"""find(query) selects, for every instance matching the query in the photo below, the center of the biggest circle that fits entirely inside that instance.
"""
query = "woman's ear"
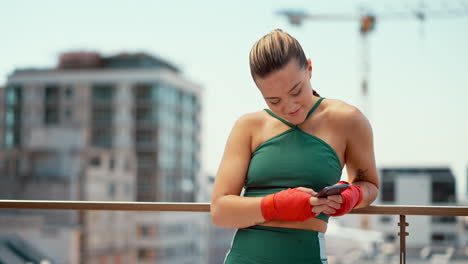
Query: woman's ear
(309, 67)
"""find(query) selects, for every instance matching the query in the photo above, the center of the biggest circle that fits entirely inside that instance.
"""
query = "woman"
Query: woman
(284, 155)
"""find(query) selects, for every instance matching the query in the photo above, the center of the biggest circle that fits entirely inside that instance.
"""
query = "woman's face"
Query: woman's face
(287, 92)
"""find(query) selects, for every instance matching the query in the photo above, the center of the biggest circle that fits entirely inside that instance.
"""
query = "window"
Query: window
(146, 231)
(127, 164)
(145, 114)
(51, 105)
(13, 116)
(385, 219)
(51, 115)
(101, 138)
(95, 161)
(68, 92)
(146, 185)
(443, 192)
(388, 191)
(146, 160)
(443, 219)
(146, 253)
(443, 238)
(389, 238)
(111, 164)
(196, 106)
(68, 114)
(102, 92)
(10, 118)
(47, 166)
(111, 190)
(144, 137)
(12, 138)
(13, 95)
(102, 116)
(145, 92)
(465, 222)
(169, 95)
(51, 94)
(211, 179)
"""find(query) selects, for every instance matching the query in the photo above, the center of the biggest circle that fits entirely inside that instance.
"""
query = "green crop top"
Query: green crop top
(292, 159)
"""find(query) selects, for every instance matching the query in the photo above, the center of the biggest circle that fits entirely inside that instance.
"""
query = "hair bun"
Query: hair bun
(278, 30)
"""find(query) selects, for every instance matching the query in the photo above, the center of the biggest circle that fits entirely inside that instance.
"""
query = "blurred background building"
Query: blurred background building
(123, 127)
(419, 186)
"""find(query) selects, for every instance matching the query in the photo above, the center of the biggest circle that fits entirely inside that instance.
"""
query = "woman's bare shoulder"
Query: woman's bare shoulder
(243, 132)
(252, 121)
(342, 111)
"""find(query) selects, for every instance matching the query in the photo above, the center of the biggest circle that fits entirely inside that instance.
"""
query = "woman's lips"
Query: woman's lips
(295, 112)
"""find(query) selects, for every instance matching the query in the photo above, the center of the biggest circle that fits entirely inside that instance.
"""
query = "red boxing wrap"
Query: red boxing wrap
(352, 196)
(289, 205)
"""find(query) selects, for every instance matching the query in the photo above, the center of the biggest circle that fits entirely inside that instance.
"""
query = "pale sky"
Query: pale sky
(418, 73)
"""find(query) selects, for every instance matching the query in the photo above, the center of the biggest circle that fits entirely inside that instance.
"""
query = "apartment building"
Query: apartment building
(117, 128)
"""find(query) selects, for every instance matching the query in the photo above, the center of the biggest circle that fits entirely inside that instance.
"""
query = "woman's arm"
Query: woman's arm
(228, 209)
(359, 155)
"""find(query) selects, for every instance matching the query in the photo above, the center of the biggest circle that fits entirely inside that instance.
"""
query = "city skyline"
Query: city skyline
(418, 81)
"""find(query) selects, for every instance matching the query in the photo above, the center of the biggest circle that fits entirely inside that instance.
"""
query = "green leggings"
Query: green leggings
(275, 245)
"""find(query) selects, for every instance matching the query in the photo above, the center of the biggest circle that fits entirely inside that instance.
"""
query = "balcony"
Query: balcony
(401, 211)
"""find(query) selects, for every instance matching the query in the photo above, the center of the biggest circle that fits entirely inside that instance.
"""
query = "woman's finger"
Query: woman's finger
(323, 208)
(318, 201)
(333, 204)
(335, 198)
(329, 212)
(320, 208)
(307, 190)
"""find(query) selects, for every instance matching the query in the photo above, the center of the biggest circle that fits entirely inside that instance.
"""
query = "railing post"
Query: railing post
(402, 224)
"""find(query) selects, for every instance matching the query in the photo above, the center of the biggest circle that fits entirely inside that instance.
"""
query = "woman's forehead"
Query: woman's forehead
(281, 81)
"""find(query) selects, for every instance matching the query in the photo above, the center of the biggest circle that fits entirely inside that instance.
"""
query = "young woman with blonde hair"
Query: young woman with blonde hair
(285, 154)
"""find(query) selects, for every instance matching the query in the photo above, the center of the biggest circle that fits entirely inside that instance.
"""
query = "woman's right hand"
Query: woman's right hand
(295, 204)
(321, 205)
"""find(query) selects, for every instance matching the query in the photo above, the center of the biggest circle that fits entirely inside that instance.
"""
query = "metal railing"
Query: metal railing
(401, 211)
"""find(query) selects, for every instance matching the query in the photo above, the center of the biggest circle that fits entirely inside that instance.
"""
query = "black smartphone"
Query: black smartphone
(331, 190)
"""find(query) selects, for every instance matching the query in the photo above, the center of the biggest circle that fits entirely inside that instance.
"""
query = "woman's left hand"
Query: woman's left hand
(322, 205)
(337, 200)
(347, 200)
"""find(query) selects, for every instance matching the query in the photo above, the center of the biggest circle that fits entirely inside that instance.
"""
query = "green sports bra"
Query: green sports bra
(292, 159)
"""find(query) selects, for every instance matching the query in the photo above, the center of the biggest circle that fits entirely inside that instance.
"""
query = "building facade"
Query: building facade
(420, 186)
(122, 128)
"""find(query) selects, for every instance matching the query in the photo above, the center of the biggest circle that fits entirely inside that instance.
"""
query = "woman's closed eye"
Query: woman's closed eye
(297, 93)
(279, 100)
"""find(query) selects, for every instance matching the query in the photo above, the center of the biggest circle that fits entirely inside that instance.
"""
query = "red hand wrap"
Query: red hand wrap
(352, 196)
(289, 205)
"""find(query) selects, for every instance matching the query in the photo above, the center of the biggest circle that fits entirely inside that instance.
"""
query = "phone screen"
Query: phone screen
(331, 190)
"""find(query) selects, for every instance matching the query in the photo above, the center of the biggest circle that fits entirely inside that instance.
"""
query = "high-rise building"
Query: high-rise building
(124, 127)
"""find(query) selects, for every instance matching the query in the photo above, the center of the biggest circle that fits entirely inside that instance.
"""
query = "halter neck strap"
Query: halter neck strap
(315, 106)
(308, 114)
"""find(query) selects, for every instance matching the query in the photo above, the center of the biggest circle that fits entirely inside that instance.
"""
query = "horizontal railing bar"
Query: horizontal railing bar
(413, 210)
(205, 207)
(108, 206)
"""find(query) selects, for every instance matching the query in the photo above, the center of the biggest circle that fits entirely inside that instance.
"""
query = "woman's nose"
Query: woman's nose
(291, 107)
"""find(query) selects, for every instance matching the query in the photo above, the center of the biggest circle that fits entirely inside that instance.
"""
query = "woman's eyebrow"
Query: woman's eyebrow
(273, 97)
